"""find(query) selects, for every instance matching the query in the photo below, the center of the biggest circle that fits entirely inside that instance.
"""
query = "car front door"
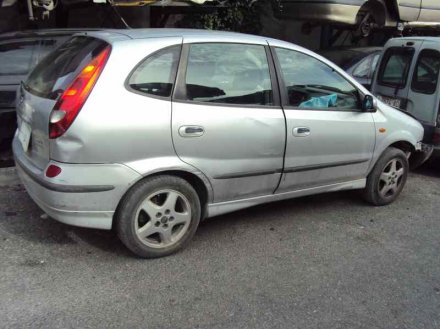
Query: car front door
(227, 121)
(329, 139)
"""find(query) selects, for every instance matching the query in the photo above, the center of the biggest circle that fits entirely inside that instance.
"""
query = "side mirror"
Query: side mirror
(368, 104)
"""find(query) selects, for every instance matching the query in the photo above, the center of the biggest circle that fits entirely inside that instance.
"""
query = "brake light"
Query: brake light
(74, 97)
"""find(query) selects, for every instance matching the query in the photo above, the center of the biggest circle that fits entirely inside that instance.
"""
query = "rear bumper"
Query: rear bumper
(84, 195)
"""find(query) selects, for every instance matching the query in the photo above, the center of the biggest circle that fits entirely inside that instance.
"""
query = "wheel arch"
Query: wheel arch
(201, 186)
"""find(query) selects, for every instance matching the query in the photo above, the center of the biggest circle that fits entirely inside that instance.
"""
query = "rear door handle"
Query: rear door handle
(301, 131)
(191, 131)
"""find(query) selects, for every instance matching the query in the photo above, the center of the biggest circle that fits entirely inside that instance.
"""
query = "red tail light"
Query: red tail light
(74, 97)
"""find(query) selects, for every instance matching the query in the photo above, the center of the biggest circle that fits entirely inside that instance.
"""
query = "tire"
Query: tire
(386, 182)
(419, 158)
(158, 216)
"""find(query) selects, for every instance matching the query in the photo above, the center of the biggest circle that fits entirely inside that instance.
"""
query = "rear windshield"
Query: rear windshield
(395, 65)
(57, 70)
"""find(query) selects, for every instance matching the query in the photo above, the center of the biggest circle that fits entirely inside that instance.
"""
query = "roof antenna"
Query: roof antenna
(116, 11)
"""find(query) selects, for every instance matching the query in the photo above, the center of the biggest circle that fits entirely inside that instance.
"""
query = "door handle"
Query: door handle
(191, 131)
(301, 131)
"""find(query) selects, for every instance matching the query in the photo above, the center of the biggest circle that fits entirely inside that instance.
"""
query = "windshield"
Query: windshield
(57, 70)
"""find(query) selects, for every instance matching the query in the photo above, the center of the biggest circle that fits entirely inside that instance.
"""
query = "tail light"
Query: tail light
(74, 97)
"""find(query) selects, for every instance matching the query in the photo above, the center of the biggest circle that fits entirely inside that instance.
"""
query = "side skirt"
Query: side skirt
(216, 209)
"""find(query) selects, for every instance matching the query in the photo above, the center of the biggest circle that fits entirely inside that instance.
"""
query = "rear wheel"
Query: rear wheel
(387, 178)
(158, 216)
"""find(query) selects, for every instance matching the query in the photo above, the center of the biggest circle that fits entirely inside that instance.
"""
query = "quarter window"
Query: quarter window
(228, 73)
(156, 74)
(426, 73)
(312, 84)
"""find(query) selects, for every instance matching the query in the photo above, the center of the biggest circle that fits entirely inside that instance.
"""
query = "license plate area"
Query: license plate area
(394, 102)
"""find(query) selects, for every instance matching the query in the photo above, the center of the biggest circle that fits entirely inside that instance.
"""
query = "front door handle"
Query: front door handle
(301, 131)
(191, 131)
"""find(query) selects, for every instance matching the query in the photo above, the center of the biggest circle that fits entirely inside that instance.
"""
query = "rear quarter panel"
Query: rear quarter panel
(116, 125)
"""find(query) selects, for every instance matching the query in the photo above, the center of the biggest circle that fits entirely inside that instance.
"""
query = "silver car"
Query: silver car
(151, 131)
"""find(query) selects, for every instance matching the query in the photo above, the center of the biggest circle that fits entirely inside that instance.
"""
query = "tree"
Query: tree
(236, 15)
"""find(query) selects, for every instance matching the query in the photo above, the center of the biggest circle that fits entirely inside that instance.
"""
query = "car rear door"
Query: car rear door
(393, 77)
(423, 95)
(329, 139)
(227, 121)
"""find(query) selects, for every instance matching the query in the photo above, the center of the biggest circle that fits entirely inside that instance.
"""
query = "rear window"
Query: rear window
(15, 57)
(395, 65)
(426, 73)
(57, 70)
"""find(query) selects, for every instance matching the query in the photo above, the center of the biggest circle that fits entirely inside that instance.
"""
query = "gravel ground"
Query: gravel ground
(326, 261)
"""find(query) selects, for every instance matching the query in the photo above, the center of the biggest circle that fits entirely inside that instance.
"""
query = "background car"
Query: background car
(364, 14)
(19, 53)
(359, 62)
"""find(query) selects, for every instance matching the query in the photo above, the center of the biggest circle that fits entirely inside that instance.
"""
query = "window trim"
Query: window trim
(175, 73)
(384, 60)
(414, 76)
(283, 89)
(179, 95)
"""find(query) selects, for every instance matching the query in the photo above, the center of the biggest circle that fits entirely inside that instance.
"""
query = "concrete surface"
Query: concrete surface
(327, 261)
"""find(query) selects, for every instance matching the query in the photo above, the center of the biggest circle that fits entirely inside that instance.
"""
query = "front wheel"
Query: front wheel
(158, 216)
(387, 178)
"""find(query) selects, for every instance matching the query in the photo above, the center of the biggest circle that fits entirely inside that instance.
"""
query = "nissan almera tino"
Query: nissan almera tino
(151, 131)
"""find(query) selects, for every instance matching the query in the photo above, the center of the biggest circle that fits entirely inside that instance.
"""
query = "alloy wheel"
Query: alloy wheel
(163, 218)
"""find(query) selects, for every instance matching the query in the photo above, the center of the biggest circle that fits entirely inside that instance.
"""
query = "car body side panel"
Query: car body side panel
(399, 127)
(409, 10)
(343, 11)
(139, 125)
(430, 11)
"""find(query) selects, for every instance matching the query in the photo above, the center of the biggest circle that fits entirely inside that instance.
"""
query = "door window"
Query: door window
(312, 84)
(156, 74)
(15, 57)
(395, 65)
(426, 73)
(228, 73)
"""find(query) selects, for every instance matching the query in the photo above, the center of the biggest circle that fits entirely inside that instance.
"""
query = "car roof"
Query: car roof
(42, 33)
(417, 38)
(166, 32)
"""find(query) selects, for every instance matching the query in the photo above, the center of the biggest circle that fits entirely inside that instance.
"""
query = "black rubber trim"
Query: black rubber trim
(249, 174)
(63, 188)
(324, 166)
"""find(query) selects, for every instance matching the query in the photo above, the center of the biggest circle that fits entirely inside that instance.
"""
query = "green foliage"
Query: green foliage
(237, 15)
